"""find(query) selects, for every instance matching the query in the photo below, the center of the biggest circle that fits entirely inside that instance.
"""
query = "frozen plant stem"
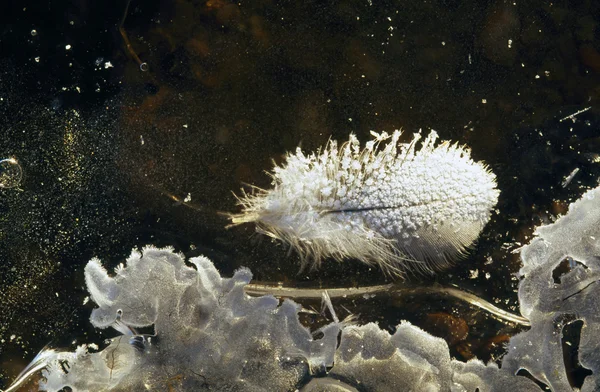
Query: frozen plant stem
(391, 289)
(388, 204)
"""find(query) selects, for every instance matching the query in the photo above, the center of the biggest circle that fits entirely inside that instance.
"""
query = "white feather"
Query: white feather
(387, 204)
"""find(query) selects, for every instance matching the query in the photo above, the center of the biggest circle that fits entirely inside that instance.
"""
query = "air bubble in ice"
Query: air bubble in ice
(11, 173)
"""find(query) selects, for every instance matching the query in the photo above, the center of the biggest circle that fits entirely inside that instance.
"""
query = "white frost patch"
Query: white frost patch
(388, 203)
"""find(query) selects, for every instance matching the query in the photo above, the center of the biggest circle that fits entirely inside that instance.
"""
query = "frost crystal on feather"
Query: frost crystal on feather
(389, 203)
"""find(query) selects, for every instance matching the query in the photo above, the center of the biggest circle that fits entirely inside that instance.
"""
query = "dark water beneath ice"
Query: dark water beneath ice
(109, 152)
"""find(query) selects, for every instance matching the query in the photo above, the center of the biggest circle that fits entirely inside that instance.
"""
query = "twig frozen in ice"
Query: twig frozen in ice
(259, 289)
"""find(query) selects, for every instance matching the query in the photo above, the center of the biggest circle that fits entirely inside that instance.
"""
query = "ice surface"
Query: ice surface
(368, 356)
(208, 334)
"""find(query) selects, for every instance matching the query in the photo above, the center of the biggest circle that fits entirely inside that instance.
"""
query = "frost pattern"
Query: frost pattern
(208, 333)
(388, 204)
(575, 240)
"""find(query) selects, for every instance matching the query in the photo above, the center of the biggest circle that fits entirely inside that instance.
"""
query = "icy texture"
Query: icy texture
(388, 203)
(367, 356)
(574, 239)
(209, 333)
(413, 360)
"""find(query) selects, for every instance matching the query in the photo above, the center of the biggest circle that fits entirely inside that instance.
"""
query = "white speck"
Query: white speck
(37, 59)
(537, 76)
(473, 274)
(510, 43)
(570, 177)
(107, 65)
(443, 43)
(188, 198)
(572, 116)
(33, 33)
(484, 101)
(68, 47)
(141, 140)
(86, 300)
(185, 125)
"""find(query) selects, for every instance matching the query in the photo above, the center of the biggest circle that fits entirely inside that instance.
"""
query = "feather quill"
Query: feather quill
(387, 204)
